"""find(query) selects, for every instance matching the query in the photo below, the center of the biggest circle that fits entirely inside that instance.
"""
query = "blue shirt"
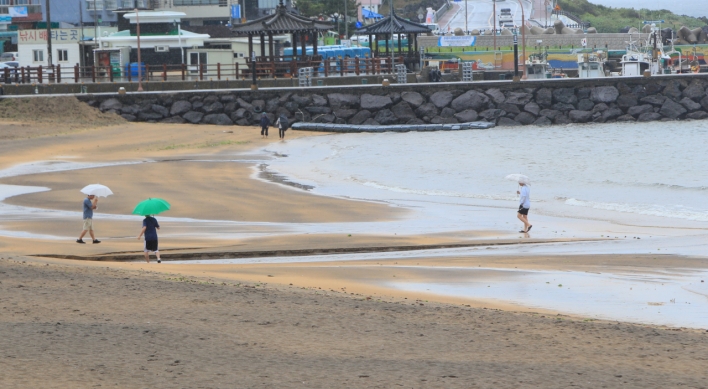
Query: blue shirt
(88, 209)
(151, 228)
(525, 198)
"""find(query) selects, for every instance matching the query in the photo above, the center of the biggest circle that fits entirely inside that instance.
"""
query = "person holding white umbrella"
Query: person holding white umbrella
(90, 203)
(524, 193)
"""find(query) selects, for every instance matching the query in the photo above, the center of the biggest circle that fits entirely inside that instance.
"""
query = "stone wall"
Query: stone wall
(542, 102)
(611, 41)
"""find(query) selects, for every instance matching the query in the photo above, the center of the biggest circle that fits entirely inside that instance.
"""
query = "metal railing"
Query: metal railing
(331, 67)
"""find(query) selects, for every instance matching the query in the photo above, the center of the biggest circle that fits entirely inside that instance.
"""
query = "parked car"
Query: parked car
(12, 71)
(9, 56)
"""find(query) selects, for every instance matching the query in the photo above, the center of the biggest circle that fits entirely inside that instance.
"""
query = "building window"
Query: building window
(63, 55)
(111, 4)
(94, 5)
(177, 3)
(38, 55)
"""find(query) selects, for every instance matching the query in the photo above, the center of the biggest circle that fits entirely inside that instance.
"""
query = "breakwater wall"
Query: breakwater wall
(542, 102)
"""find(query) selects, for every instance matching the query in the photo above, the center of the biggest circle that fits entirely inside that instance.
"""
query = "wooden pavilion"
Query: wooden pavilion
(389, 27)
(304, 30)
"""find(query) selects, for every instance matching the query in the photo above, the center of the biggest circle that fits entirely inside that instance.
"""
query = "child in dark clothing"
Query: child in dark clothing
(150, 227)
(265, 122)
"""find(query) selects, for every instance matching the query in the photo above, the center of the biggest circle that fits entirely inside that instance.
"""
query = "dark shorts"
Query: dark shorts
(523, 211)
(151, 245)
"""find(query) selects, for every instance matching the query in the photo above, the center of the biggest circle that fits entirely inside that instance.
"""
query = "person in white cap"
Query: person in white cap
(524, 205)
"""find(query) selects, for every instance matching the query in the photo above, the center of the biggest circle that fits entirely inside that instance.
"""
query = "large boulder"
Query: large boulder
(180, 107)
(491, 115)
(672, 109)
(164, 112)
(343, 100)
(343, 113)
(375, 102)
(519, 98)
(577, 116)
(403, 111)
(319, 100)
(612, 114)
(193, 117)
(544, 98)
(525, 118)
(626, 118)
(604, 94)
(509, 108)
(586, 105)
(360, 117)
(640, 109)
(506, 122)
(301, 99)
(219, 119)
(271, 105)
(468, 100)
(441, 99)
(415, 99)
(673, 90)
(699, 115)
(317, 110)
(109, 104)
(695, 91)
(215, 107)
(649, 117)
(149, 116)
(496, 95)
(468, 115)
(550, 113)
(532, 108)
(626, 101)
(655, 100)
(542, 121)
(565, 96)
(427, 109)
(690, 105)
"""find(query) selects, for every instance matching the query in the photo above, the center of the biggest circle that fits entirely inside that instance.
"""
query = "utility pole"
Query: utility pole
(49, 36)
(346, 26)
(494, 27)
(466, 29)
(140, 65)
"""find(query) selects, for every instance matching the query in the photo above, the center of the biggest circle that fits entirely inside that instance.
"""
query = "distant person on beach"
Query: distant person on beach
(90, 203)
(524, 205)
(282, 124)
(265, 122)
(150, 227)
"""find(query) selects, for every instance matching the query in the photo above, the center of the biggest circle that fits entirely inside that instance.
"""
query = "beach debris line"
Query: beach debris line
(352, 128)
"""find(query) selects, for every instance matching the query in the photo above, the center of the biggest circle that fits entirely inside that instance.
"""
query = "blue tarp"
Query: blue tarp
(370, 15)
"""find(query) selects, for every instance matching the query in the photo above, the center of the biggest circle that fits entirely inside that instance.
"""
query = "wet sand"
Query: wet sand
(69, 323)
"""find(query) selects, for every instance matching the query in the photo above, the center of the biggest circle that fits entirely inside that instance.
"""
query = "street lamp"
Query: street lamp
(523, 37)
(140, 70)
(179, 37)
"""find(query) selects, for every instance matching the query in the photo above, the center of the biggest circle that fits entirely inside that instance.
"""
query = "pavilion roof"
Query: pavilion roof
(281, 22)
(400, 26)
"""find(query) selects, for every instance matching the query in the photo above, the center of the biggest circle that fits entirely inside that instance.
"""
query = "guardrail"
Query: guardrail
(330, 67)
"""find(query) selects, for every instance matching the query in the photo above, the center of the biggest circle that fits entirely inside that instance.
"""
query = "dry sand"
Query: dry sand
(75, 324)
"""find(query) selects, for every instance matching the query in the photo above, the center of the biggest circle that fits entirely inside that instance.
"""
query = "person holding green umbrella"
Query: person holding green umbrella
(148, 208)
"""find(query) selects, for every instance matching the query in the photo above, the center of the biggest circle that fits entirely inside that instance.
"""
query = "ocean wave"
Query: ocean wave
(643, 209)
(657, 185)
(440, 193)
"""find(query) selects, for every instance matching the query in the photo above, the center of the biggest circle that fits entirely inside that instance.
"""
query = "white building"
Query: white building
(32, 47)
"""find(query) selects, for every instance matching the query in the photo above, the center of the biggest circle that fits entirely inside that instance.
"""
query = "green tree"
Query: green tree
(327, 8)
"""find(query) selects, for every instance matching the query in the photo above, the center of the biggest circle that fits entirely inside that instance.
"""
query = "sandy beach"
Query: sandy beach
(310, 296)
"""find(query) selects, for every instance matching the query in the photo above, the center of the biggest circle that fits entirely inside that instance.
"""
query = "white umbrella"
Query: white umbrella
(520, 178)
(97, 190)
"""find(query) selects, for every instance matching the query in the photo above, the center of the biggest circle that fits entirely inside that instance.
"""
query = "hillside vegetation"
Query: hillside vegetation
(611, 19)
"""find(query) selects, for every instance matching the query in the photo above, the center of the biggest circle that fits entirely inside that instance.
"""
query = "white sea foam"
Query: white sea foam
(679, 211)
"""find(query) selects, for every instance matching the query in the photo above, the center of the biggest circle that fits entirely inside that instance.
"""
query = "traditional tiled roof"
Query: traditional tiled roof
(281, 22)
(400, 26)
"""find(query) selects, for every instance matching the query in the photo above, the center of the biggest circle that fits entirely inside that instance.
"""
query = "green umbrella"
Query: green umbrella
(151, 207)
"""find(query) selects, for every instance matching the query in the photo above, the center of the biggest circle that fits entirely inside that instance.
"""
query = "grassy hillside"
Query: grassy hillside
(612, 19)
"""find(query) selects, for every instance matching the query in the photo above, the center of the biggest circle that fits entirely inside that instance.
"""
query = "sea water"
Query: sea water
(649, 174)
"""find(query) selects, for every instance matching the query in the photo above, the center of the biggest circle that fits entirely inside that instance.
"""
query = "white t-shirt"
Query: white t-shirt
(525, 199)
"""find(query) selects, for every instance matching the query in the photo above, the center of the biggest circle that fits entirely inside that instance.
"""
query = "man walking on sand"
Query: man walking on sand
(265, 122)
(524, 205)
(150, 227)
(89, 205)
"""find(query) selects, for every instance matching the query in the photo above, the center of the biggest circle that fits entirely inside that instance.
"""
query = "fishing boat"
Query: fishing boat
(537, 67)
(591, 65)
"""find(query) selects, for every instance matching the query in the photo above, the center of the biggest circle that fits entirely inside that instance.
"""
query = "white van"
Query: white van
(434, 28)
(9, 56)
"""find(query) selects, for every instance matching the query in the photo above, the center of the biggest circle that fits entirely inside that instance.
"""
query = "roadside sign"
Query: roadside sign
(235, 12)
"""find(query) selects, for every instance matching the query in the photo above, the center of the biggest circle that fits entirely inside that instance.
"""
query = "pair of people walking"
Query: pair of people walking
(150, 227)
(282, 124)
